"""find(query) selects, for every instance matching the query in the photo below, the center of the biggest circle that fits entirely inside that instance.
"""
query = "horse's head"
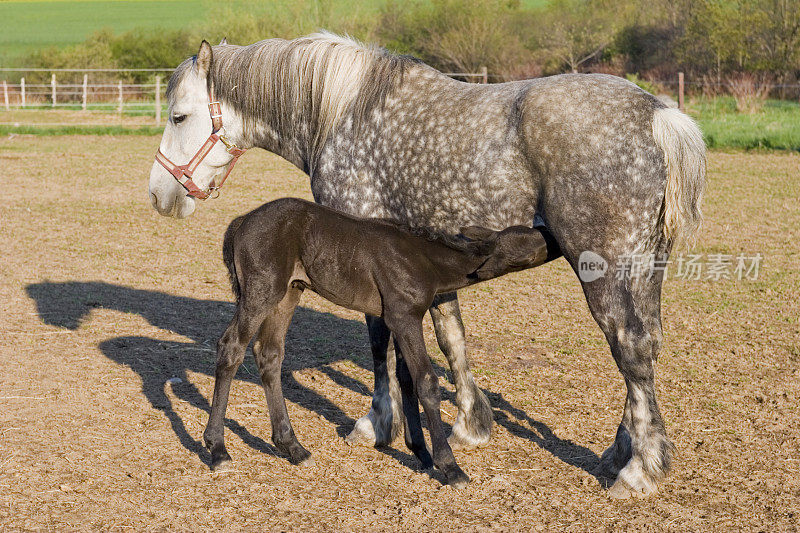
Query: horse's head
(188, 149)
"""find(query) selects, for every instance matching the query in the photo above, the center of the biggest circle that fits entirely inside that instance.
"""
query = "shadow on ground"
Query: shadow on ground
(315, 340)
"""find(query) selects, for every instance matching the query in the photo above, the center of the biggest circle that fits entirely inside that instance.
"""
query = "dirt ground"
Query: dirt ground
(104, 302)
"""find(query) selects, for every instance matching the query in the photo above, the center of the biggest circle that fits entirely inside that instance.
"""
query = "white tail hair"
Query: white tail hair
(680, 139)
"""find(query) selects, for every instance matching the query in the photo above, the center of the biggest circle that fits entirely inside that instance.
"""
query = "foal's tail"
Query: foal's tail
(227, 255)
(685, 156)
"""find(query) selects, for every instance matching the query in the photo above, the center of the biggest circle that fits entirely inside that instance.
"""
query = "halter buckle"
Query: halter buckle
(183, 173)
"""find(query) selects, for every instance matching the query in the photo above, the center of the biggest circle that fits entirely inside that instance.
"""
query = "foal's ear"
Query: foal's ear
(477, 233)
(204, 56)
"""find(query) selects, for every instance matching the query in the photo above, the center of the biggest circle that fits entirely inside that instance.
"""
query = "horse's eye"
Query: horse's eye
(177, 119)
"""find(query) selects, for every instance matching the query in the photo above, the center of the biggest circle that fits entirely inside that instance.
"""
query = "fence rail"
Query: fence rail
(109, 90)
(104, 95)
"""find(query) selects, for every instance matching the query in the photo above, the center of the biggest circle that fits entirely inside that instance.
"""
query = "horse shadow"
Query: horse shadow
(68, 304)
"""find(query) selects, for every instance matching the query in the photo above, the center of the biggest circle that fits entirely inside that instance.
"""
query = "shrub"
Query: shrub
(458, 36)
(750, 91)
(643, 84)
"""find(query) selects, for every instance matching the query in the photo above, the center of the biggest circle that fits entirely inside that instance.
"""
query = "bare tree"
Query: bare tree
(575, 31)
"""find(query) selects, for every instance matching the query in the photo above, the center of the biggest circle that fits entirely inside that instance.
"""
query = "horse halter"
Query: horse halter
(183, 173)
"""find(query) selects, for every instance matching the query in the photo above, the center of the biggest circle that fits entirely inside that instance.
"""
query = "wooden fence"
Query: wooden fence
(94, 90)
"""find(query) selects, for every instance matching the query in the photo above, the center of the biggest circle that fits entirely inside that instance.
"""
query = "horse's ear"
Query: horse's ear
(223, 41)
(477, 233)
(204, 56)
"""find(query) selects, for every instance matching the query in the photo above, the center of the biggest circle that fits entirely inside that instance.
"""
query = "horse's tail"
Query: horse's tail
(228, 255)
(685, 157)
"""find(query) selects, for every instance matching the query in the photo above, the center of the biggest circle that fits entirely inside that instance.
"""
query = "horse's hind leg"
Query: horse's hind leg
(382, 424)
(628, 313)
(473, 425)
(230, 354)
(269, 351)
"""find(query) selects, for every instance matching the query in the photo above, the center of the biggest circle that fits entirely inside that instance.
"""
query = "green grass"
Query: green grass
(80, 130)
(776, 127)
(26, 26)
(144, 109)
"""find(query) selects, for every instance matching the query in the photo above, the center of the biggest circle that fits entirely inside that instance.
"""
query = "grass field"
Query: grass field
(27, 26)
(103, 301)
(777, 126)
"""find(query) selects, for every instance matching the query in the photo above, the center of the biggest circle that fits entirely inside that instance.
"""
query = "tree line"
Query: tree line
(711, 40)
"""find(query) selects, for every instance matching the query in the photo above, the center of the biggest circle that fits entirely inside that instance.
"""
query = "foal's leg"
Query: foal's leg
(383, 422)
(412, 425)
(408, 332)
(269, 351)
(473, 425)
(230, 354)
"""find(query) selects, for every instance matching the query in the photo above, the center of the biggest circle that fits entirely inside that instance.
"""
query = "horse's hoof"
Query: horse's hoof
(426, 462)
(632, 486)
(473, 430)
(620, 490)
(362, 434)
(296, 453)
(467, 442)
(368, 433)
(464, 438)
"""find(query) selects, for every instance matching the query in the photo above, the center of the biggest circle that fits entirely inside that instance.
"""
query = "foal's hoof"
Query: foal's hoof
(308, 461)
(425, 459)
(456, 478)
(222, 465)
(298, 455)
(303, 458)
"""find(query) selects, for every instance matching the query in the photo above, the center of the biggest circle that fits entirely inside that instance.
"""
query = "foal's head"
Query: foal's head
(515, 248)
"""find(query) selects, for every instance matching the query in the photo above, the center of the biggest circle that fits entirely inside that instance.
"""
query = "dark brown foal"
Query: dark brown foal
(373, 266)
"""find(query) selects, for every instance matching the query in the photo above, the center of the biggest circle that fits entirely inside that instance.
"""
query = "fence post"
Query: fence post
(5, 94)
(680, 91)
(158, 99)
(119, 98)
(85, 91)
(484, 75)
(22, 91)
(53, 85)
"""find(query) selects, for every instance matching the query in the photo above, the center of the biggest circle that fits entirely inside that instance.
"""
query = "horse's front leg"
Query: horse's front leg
(473, 426)
(384, 421)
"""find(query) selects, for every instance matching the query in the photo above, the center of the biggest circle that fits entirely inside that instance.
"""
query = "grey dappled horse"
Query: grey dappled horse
(603, 165)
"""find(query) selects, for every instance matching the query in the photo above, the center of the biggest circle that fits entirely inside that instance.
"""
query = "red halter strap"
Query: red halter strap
(183, 173)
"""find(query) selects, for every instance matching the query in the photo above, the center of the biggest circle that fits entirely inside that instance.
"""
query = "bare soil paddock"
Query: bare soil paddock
(103, 301)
